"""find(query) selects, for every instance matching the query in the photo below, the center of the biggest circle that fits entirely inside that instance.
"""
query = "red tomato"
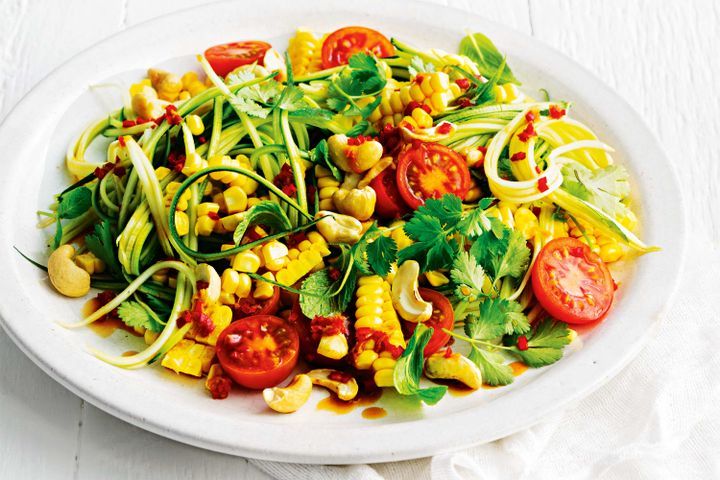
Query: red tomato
(252, 306)
(227, 57)
(389, 203)
(430, 170)
(342, 44)
(571, 282)
(442, 317)
(258, 351)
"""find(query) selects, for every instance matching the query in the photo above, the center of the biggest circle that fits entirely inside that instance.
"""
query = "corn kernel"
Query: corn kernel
(184, 95)
(610, 252)
(439, 81)
(246, 261)
(275, 254)
(384, 378)
(193, 164)
(229, 280)
(195, 124)
(293, 253)
(182, 223)
(86, 261)
(227, 298)
(333, 346)
(220, 200)
(207, 208)
(365, 359)
(223, 161)
(383, 363)
(436, 278)
(161, 172)
(264, 290)
(422, 118)
(204, 226)
(235, 199)
(426, 85)
(526, 222)
(244, 286)
(230, 222)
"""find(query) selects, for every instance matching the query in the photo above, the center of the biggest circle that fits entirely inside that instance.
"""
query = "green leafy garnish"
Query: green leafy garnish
(320, 156)
(135, 315)
(409, 368)
(361, 78)
(467, 275)
(102, 244)
(418, 66)
(492, 366)
(488, 58)
(266, 213)
(545, 344)
(605, 187)
(322, 296)
(374, 252)
(358, 129)
(502, 253)
(75, 203)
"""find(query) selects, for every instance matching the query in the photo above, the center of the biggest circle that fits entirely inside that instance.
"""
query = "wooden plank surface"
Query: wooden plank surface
(660, 56)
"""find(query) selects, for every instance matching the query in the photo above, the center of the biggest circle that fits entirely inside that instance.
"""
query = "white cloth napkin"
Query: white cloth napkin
(658, 419)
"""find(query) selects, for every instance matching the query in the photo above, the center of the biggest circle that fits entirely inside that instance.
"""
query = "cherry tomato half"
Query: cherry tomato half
(340, 45)
(227, 57)
(430, 170)
(389, 202)
(571, 282)
(258, 351)
(442, 317)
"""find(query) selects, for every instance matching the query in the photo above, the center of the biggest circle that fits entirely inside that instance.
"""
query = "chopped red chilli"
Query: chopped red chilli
(463, 83)
(556, 112)
(444, 128)
(542, 184)
(522, 343)
(516, 157)
(529, 131)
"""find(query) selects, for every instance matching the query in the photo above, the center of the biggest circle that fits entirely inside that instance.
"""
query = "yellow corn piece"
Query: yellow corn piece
(182, 223)
(247, 261)
(374, 310)
(221, 316)
(327, 186)
(508, 93)
(235, 199)
(205, 226)
(264, 290)
(189, 358)
(195, 124)
(304, 50)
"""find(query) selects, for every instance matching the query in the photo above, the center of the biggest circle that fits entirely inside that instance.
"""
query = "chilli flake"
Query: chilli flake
(516, 157)
(542, 184)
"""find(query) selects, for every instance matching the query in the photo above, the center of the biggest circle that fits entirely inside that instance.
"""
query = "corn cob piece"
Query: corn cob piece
(431, 89)
(327, 186)
(305, 258)
(189, 358)
(305, 50)
(379, 335)
(607, 248)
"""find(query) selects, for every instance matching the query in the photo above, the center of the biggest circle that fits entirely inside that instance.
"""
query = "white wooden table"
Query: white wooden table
(661, 56)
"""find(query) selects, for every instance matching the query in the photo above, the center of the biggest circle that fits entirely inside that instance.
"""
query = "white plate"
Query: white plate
(35, 134)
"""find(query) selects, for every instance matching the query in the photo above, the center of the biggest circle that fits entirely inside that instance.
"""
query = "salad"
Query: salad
(358, 210)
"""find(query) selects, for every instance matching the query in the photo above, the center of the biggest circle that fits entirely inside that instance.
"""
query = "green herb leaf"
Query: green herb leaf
(102, 244)
(467, 273)
(135, 315)
(409, 368)
(291, 99)
(381, 254)
(319, 298)
(361, 78)
(489, 324)
(418, 66)
(266, 213)
(492, 366)
(502, 252)
(75, 203)
(473, 224)
(488, 58)
(545, 345)
(358, 129)
(320, 156)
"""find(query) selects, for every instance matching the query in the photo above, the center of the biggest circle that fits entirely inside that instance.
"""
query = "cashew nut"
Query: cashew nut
(273, 61)
(168, 85)
(405, 295)
(289, 399)
(358, 202)
(354, 158)
(65, 275)
(146, 103)
(346, 390)
(338, 228)
(206, 273)
(455, 367)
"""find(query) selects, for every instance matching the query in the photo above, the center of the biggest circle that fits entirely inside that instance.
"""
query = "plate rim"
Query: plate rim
(346, 455)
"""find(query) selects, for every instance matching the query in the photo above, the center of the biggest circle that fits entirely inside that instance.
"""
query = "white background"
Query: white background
(659, 417)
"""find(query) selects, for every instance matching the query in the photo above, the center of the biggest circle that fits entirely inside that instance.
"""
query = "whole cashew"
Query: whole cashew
(289, 399)
(345, 390)
(65, 275)
(336, 227)
(406, 296)
(454, 367)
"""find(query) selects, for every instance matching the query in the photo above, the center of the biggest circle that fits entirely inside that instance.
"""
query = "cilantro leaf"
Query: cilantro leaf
(417, 66)
(102, 244)
(605, 187)
(501, 252)
(381, 254)
(467, 273)
(545, 344)
(474, 223)
(489, 324)
(361, 78)
(492, 366)
(291, 99)
(266, 213)
(487, 57)
(320, 156)
(75, 203)
(135, 315)
(409, 368)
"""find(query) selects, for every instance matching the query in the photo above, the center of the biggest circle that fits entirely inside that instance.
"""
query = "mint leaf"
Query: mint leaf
(409, 368)
(319, 294)
(266, 213)
(487, 57)
(75, 203)
(320, 156)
